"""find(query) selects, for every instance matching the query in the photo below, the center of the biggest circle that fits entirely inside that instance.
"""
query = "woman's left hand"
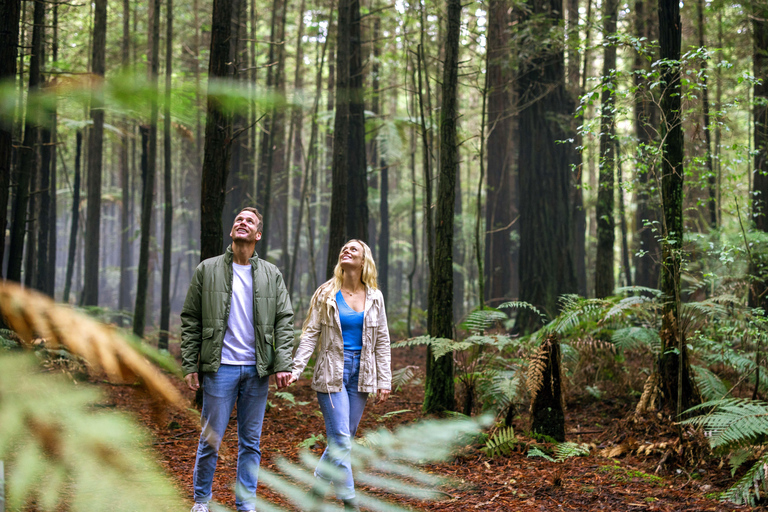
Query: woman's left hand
(382, 395)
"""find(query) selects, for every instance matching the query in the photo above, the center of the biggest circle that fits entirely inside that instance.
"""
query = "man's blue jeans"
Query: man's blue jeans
(342, 412)
(232, 383)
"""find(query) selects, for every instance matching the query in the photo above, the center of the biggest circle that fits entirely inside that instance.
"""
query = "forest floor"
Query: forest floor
(626, 481)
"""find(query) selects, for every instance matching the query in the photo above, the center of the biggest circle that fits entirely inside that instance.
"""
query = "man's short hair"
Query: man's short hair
(256, 213)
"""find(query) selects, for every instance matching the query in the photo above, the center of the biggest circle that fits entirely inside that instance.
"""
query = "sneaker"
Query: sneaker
(350, 505)
(200, 507)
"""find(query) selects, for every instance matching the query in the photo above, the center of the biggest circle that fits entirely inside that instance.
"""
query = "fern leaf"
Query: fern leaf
(709, 384)
(500, 443)
(747, 489)
(403, 376)
(632, 338)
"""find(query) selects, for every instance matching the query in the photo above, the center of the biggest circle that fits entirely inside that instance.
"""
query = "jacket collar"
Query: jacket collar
(229, 255)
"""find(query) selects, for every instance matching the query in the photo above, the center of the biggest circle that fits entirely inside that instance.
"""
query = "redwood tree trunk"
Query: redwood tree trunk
(678, 389)
(165, 289)
(547, 268)
(606, 224)
(758, 295)
(75, 218)
(500, 262)
(9, 32)
(439, 385)
(95, 146)
(218, 132)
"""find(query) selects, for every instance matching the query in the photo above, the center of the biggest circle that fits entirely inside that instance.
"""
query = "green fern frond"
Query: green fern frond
(709, 384)
(535, 451)
(567, 450)
(478, 322)
(403, 376)
(632, 338)
(500, 443)
(747, 489)
(639, 289)
(734, 422)
(519, 304)
(577, 311)
(627, 304)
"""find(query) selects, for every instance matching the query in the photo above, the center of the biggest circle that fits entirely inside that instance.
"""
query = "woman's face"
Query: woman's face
(351, 256)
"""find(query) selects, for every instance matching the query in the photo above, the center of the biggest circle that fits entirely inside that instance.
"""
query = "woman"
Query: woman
(348, 325)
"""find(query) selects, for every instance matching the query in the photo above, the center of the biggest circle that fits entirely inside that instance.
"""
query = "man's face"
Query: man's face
(246, 228)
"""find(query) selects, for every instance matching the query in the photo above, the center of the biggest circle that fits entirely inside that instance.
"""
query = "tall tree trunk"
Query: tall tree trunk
(124, 294)
(165, 289)
(338, 232)
(677, 385)
(52, 216)
(577, 190)
(95, 146)
(27, 161)
(218, 133)
(606, 224)
(501, 259)
(75, 218)
(758, 295)
(148, 172)
(357, 187)
(270, 154)
(711, 178)
(9, 32)
(439, 386)
(647, 252)
(547, 269)
(44, 211)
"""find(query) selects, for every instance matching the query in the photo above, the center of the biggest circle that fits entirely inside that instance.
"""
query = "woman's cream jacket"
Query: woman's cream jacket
(324, 333)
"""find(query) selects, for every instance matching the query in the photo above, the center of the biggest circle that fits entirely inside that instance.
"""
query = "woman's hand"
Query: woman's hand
(292, 379)
(382, 395)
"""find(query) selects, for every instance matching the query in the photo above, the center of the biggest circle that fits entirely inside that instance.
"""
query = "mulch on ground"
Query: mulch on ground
(513, 482)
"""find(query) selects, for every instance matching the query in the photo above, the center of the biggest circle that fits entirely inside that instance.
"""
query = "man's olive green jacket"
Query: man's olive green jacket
(206, 312)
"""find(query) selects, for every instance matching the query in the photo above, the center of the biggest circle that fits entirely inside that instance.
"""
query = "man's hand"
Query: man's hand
(382, 395)
(283, 379)
(192, 382)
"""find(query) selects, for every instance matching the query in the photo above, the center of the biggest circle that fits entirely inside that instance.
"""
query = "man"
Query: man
(236, 330)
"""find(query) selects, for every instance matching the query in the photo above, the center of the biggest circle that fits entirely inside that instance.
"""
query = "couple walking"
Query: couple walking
(237, 330)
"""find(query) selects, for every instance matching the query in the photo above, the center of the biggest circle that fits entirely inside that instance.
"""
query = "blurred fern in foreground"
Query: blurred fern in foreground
(64, 455)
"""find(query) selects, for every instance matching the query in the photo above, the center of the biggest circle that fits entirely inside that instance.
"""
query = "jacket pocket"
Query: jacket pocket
(207, 332)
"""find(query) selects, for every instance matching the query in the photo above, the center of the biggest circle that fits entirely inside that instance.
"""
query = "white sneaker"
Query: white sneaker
(200, 507)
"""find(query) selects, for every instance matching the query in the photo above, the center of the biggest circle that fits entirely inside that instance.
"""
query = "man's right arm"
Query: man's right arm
(191, 328)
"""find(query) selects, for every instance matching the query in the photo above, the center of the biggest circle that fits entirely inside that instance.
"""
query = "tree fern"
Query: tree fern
(633, 338)
(747, 488)
(733, 422)
(479, 321)
(710, 385)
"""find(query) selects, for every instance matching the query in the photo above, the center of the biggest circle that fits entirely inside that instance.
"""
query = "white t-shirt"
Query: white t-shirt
(240, 340)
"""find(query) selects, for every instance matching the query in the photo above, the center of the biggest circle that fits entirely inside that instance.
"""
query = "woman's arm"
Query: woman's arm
(382, 352)
(307, 343)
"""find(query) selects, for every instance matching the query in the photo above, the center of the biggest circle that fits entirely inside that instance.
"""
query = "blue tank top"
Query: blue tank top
(351, 324)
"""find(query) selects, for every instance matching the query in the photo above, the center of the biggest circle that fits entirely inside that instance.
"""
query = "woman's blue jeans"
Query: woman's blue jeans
(342, 412)
(232, 383)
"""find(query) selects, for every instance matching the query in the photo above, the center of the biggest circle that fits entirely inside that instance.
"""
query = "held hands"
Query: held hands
(283, 379)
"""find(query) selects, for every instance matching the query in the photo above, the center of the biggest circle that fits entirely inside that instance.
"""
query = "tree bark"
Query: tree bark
(165, 288)
(337, 232)
(606, 224)
(124, 294)
(357, 187)
(758, 290)
(647, 252)
(679, 392)
(218, 133)
(148, 172)
(711, 178)
(547, 269)
(27, 159)
(548, 417)
(501, 259)
(75, 218)
(439, 385)
(9, 32)
(95, 147)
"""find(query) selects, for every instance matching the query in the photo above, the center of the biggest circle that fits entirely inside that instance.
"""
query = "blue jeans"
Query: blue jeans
(232, 383)
(342, 412)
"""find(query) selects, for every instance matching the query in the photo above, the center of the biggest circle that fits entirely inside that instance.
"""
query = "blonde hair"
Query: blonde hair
(331, 287)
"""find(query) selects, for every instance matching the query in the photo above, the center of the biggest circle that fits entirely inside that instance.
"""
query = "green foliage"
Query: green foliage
(560, 451)
(382, 459)
(289, 398)
(738, 427)
(88, 460)
(402, 376)
(311, 441)
(500, 443)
